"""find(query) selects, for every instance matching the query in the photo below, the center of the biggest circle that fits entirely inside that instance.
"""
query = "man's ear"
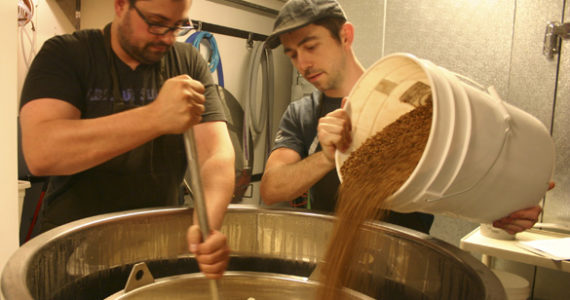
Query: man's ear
(347, 34)
(121, 6)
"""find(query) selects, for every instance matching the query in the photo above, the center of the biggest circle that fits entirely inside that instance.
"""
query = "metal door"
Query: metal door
(497, 43)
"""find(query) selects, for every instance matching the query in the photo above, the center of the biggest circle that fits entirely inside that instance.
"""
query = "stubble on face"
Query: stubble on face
(327, 62)
(143, 54)
(331, 72)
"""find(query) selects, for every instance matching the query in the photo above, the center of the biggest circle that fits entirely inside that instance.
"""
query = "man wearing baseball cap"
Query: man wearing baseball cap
(317, 37)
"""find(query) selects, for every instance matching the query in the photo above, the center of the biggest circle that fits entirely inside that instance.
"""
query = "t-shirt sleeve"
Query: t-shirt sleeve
(54, 73)
(289, 135)
(213, 106)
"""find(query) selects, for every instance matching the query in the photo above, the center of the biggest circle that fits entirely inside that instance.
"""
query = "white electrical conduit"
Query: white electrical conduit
(25, 36)
(259, 119)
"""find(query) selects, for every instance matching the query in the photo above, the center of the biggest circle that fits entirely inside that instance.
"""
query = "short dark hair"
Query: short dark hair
(333, 25)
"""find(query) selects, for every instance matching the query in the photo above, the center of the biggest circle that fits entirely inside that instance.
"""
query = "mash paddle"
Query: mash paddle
(198, 195)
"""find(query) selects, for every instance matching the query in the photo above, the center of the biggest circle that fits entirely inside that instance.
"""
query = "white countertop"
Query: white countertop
(510, 249)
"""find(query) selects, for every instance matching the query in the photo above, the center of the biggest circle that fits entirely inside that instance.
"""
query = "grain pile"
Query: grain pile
(371, 174)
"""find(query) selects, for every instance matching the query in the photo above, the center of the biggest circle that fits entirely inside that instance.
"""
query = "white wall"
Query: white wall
(8, 154)
(49, 20)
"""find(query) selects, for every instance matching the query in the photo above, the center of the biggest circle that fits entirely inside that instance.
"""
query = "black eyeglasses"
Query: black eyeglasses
(159, 29)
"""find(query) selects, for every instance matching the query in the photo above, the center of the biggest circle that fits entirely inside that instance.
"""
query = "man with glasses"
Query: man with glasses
(102, 113)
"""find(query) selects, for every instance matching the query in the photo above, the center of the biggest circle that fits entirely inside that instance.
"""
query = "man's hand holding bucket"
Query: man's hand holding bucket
(520, 220)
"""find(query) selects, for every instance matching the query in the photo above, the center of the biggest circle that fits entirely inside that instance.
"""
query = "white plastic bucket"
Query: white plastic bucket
(484, 158)
(516, 287)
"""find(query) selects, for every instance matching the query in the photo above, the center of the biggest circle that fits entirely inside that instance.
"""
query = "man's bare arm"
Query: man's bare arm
(287, 177)
(56, 141)
(217, 167)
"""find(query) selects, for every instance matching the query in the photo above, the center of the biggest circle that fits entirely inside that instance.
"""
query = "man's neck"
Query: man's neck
(118, 49)
(353, 72)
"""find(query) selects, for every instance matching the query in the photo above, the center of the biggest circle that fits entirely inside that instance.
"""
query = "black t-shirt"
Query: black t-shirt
(76, 68)
(297, 131)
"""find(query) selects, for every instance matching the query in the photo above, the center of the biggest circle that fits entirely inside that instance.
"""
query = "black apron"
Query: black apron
(323, 194)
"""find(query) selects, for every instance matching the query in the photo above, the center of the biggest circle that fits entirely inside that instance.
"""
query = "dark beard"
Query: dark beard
(142, 55)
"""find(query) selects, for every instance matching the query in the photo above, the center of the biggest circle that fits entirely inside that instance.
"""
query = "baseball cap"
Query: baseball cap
(298, 13)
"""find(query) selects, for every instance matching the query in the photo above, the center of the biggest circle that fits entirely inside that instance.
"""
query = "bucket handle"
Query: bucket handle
(434, 196)
(473, 82)
(493, 92)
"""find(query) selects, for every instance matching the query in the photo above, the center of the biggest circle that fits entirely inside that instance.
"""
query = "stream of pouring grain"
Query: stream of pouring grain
(371, 174)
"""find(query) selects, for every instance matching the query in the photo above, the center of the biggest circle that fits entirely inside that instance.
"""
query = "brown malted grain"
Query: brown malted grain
(371, 174)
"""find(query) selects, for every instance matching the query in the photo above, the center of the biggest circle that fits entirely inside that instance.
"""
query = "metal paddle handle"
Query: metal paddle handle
(198, 195)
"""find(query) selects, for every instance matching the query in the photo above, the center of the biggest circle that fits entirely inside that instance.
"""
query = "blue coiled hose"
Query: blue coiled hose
(215, 61)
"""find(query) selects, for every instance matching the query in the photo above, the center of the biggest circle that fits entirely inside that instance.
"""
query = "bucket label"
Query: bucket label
(417, 95)
(386, 86)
